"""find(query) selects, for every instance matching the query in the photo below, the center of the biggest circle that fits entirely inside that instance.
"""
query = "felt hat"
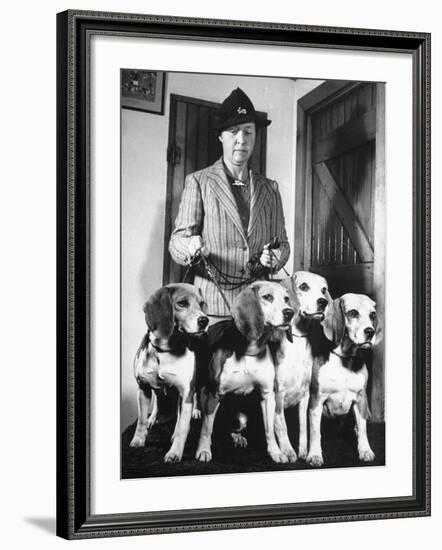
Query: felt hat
(237, 109)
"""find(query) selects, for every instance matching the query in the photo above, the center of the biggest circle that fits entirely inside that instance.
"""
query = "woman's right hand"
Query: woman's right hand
(196, 244)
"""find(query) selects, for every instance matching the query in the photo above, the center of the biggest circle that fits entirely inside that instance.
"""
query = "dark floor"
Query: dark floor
(338, 443)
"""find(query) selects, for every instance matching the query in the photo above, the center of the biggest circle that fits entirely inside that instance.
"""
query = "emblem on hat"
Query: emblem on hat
(237, 109)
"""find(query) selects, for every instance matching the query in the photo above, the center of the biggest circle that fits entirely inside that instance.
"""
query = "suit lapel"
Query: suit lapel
(258, 198)
(221, 188)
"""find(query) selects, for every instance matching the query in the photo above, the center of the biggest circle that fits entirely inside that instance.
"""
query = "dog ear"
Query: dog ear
(328, 297)
(248, 315)
(159, 313)
(203, 303)
(334, 322)
(379, 329)
(290, 285)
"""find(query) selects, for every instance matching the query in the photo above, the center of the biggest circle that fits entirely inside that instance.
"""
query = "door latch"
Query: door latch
(174, 154)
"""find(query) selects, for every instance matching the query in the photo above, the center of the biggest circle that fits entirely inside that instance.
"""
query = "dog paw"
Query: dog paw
(278, 457)
(203, 455)
(290, 454)
(138, 441)
(172, 456)
(151, 421)
(239, 440)
(302, 453)
(316, 461)
(196, 414)
(366, 455)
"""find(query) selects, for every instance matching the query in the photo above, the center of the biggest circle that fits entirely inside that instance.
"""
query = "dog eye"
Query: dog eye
(353, 313)
(372, 315)
(183, 303)
(286, 299)
(324, 290)
(304, 287)
(268, 297)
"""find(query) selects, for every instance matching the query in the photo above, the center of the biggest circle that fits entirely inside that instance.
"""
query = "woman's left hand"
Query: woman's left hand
(265, 258)
(268, 258)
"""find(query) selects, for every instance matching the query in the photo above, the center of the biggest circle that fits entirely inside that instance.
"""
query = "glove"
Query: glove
(267, 257)
(196, 244)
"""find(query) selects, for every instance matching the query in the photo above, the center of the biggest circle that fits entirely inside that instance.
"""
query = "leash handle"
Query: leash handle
(197, 258)
(272, 254)
(214, 281)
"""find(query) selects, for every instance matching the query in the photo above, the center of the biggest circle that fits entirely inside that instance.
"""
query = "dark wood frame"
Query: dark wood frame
(74, 30)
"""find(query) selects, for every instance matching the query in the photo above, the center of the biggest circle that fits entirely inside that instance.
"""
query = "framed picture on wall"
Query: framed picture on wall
(229, 274)
(142, 90)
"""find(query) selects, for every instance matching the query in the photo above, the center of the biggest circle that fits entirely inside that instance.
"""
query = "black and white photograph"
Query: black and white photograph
(243, 275)
(252, 275)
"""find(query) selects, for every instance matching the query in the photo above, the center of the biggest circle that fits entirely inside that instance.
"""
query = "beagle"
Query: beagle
(339, 379)
(293, 356)
(240, 359)
(176, 320)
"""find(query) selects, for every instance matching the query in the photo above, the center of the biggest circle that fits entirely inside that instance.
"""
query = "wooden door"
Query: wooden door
(340, 210)
(193, 145)
(343, 180)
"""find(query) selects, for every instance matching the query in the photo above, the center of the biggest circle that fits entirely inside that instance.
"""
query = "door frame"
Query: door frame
(174, 98)
(307, 105)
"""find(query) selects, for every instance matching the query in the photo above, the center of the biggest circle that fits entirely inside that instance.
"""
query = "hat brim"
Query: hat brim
(259, 122)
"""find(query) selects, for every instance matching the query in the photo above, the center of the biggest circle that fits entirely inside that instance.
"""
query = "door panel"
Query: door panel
(343, 176)
(340, 198)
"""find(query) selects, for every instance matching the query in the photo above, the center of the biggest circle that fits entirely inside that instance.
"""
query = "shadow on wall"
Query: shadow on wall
(129, 407)
(151, 272)
(149, 279)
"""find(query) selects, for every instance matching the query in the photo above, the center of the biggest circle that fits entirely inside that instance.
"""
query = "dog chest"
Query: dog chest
(158, 369)
(294, 370)
(242, 375)
(342, 386)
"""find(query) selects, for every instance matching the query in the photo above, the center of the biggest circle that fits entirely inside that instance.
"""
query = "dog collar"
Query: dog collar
(262, 352)
(352, 362)
(158, 349)
(341, 356)
(155, 347)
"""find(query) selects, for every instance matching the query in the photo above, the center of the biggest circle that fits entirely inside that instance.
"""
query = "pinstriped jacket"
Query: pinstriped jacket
(208, 208)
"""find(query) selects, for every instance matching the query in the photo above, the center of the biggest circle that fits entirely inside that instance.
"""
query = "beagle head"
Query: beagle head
(310, 292)
(178, 305)
(263, 304)
(352, 317)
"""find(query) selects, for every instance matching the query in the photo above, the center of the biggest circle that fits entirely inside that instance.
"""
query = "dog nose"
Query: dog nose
(369, 332)
(322, 303)
(287, 314)
(203, 322)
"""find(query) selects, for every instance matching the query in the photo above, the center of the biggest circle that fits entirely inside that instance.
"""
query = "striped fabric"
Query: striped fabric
(208, 208)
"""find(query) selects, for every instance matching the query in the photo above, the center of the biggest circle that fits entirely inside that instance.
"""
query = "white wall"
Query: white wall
(27, 226)
(144, 173)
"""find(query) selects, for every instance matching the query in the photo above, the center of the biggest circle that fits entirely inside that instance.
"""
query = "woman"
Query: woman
(229, 214)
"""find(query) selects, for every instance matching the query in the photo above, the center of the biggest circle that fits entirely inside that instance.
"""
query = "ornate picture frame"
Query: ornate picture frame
(77, 220)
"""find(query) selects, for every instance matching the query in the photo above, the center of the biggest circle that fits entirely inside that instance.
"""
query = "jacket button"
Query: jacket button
(244, 248)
